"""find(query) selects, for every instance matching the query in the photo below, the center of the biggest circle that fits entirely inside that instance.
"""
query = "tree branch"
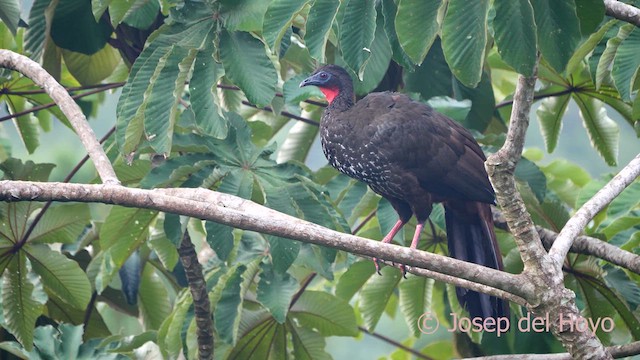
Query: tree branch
(622, 11)
(31, 69)
(245, 214)
(552, 299)
(617, 351)
(581, 218)
(199, 293)
(585, 245)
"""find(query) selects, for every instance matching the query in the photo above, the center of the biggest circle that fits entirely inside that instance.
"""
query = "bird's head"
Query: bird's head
(332, 81)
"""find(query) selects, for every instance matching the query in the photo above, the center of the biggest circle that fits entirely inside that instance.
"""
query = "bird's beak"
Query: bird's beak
(311, 80)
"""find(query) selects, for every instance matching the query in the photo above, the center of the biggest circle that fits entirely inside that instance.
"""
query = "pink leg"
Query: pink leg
(387, 239)
(414, 245)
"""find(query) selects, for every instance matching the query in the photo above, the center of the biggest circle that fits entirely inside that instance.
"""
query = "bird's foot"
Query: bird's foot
(377, 264)
(403, 268)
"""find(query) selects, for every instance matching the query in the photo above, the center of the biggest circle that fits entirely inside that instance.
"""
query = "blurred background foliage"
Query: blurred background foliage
(205, 94)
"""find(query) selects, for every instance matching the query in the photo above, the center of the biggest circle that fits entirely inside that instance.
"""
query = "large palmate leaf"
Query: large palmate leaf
(415, 300)
(515, 34)
(603, 132)
(22, 301)
(550, 114)
(376, 294)
(60, 275)
(626, 64)
(121, 234)
(148, 107)
(278, 19)
(10, 14)
(328, 314)
(61, 224)
(246, 64)
(464, 36)
(356, 34)
(321, 17)
(558, 30)
(275, 291)
(74, 27)
(416, 26)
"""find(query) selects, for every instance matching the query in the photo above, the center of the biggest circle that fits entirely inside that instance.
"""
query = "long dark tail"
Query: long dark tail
(471, 238)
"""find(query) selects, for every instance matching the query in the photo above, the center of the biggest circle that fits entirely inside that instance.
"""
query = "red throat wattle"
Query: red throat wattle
(330, 93)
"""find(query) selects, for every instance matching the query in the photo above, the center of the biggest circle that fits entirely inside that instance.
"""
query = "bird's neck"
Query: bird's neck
(341, 99)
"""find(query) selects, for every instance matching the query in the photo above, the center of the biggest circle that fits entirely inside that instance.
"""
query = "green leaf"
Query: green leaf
(464, 36)
(19, 305)
(124, 230)
(229, 305)
(246, 64)
(74, 27)
(275, 291)
(590, 13)
(626, 64)
(245, 15)
(141, 15)
(27, 124)
(61, 224)
(417, 26)
(261, 341)
(10, 14)
(330, 315)
(603, 70)
(558, 30)
(433, 77)
(602, 130)
(278, 18)
(154, 303)
(34, 37)
(204, 98)
(283, 252)
(91, 69)
(378, 63)
(321, 16)
(307, 344)
(158, 74)
(515, 34)
(528, 171)
(415, 294)
(482, 103)
(220, 238)
(588, 46)
(356, 34)
(620, 224)
(297, 144)
(626, 202)
(375, 295)
(60, 275)
(354, 278)
(550, 115)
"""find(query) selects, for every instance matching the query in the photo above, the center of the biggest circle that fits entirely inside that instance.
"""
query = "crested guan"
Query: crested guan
(414, 156)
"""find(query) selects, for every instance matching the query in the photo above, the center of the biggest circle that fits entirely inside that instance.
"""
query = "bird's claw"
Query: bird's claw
(377, 264)
(402, 267)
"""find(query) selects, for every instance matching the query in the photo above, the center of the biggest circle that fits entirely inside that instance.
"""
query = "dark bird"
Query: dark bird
(414, 156)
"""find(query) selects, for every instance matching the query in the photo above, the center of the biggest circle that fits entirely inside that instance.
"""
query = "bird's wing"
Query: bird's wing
(441, 153)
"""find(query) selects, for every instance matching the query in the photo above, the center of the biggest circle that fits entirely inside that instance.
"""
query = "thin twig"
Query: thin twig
(394, 343)
(51, 104)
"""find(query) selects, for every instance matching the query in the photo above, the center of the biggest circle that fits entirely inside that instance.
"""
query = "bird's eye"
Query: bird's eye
(323, 75)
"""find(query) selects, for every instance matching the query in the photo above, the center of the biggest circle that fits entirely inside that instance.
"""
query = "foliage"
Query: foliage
(212, 87)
